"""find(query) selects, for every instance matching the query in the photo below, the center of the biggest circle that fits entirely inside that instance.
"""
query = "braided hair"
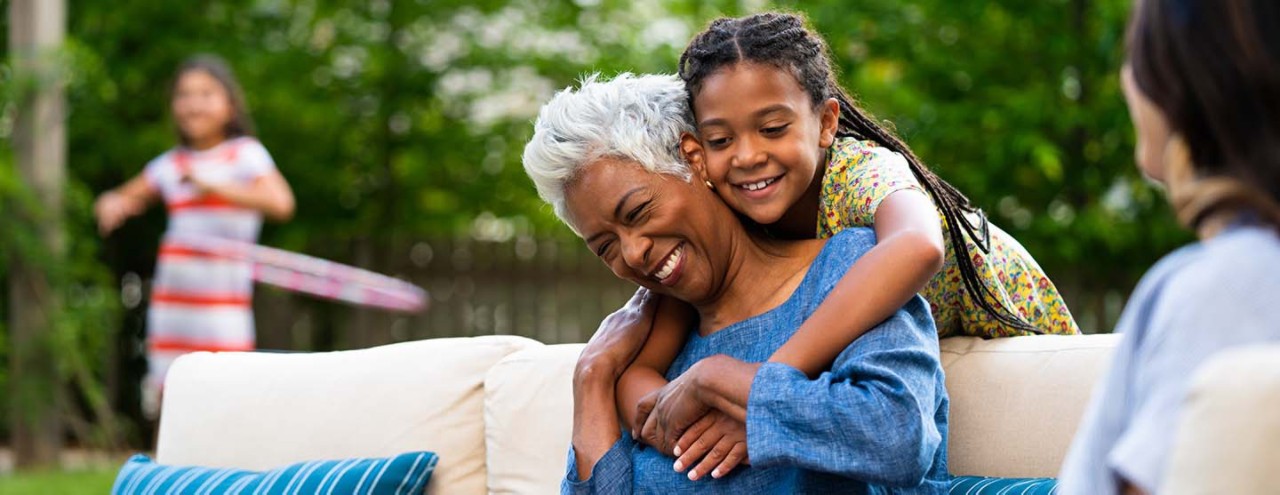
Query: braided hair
(782, 40)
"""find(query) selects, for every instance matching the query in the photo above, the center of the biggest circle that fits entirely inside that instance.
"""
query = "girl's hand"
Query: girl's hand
(717, 443)
(112, 209)
(202, 186)
(620, 337)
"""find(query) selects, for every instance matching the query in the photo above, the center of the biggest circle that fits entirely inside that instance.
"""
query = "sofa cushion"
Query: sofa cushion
(1016, 402)
(528, 415)
(1230, 426)
(260, 410)
(405, 474)
(979, 485)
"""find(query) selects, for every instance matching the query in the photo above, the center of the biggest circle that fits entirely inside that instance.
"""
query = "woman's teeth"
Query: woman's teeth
(670, 265)
(756, 186)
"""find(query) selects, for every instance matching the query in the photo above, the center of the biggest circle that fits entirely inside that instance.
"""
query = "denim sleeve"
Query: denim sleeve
(871, 418)
(611, 474)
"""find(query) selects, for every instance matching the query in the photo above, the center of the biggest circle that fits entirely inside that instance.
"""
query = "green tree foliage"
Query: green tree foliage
(77, 341)
(1018, 104)
(388, 118)
(397, 120)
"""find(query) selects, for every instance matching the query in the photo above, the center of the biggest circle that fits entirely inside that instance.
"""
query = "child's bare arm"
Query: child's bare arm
(113, 207)
(671, 324)
(908, 252)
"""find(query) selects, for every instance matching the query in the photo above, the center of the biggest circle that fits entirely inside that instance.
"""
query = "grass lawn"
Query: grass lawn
(95, 482)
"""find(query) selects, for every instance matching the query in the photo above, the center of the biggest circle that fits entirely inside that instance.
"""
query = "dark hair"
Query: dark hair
(783, 41)
(1213, 70)
(241, 124)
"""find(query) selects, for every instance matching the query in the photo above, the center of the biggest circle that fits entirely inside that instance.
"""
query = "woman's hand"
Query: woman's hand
(618, 340)
(717, 382)
(607, 355)
(668, 412)
(717, 443)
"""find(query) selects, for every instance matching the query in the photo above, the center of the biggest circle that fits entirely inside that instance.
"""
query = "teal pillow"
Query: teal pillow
(978, 485)
(403, 474)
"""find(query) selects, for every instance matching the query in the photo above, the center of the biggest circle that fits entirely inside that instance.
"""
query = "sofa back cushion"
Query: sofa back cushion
(1015, 405)
(1226, 440)
(528, 416)
(261, 410)
(1016, 402)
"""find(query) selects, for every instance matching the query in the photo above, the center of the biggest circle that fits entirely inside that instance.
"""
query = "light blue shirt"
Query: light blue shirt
(1201, 299)
(875, 423)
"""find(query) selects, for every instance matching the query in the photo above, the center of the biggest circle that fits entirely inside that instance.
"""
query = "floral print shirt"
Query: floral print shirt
(861, 174)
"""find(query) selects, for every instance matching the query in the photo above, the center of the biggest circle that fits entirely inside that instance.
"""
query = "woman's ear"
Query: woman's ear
(829, 122)
(692, 150)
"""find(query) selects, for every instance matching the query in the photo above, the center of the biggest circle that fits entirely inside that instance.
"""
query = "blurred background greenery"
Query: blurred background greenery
(400, 124)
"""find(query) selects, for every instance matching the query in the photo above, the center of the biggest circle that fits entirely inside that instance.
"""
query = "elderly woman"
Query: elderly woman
(607, 158)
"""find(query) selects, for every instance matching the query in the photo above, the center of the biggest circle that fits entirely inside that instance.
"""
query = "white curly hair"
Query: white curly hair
(638, 118)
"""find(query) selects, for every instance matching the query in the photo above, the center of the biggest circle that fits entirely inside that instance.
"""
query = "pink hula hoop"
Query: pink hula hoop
(310, 275)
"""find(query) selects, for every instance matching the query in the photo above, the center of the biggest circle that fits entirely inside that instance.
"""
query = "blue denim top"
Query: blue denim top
(875, 423)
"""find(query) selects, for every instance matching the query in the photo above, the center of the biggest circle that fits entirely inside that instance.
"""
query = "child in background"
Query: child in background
(220, 182)
(787, 148)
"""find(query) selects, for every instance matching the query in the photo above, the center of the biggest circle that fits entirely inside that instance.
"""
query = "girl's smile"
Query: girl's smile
(763, 139)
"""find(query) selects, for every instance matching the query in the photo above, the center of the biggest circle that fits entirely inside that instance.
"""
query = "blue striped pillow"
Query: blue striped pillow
(403, 474)
(978, 485)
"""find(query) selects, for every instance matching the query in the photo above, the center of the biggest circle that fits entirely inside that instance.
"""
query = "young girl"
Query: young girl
(785, 146)
(219, 181)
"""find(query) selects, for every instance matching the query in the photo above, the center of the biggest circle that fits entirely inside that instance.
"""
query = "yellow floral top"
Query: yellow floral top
(860, 174)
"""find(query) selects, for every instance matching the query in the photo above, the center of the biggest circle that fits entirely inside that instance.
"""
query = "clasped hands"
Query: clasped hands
(679, 420)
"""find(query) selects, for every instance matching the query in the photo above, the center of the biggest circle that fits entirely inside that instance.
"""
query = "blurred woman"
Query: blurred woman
(1202, 80)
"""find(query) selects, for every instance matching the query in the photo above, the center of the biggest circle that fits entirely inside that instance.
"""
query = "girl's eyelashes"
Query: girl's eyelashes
(717, 143)
(775, 130)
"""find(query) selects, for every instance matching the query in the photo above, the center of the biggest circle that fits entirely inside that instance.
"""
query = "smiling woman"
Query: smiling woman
(678, 239)
(606, 156)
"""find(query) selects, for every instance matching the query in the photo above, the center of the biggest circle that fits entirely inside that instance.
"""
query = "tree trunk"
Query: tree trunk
(39, 141)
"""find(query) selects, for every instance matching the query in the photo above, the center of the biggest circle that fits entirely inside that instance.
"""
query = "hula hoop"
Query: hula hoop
(310, 275)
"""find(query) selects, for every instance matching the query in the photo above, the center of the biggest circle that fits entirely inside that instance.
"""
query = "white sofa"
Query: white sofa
(497, 409)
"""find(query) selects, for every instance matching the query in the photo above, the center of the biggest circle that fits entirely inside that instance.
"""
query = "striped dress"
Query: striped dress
(200, 302)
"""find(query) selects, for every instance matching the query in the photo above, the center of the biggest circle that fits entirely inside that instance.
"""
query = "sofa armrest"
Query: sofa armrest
(263, 410)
